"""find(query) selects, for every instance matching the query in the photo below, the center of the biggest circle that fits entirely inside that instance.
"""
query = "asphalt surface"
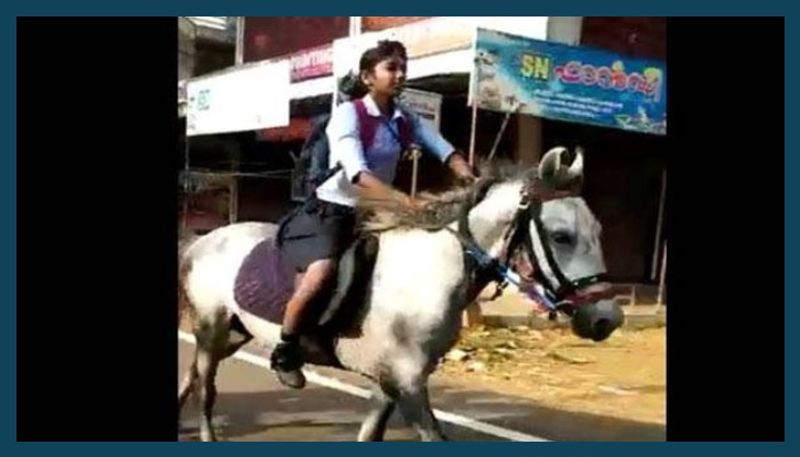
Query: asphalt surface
(253, 406)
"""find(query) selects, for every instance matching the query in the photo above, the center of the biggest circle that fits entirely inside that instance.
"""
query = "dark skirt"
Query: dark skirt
(316, 230)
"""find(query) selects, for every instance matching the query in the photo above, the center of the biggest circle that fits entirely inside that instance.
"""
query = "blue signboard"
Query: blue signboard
(569, 83)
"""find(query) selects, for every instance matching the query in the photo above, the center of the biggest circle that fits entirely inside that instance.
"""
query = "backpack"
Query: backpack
(312, 168)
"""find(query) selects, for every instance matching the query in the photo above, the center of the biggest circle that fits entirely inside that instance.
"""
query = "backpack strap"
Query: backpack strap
(367, 125)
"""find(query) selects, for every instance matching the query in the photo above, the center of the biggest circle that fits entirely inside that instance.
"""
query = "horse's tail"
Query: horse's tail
(184, 267)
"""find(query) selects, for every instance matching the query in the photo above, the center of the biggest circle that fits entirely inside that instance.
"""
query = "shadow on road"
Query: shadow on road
(320, 414)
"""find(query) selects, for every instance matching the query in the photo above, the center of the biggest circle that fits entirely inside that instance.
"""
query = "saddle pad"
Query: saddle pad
(264, 283)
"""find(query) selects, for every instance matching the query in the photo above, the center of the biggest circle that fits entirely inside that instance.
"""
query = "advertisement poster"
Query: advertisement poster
(311, 63)
(427, 104)
(568, 83)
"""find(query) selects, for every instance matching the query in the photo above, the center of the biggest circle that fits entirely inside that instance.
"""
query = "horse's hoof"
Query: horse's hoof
(292, 378)
(207, 435)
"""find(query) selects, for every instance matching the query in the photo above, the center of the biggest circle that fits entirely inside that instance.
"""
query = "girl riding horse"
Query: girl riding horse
(313, 239)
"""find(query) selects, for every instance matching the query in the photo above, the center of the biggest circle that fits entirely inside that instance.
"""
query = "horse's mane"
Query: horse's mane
(442, 209)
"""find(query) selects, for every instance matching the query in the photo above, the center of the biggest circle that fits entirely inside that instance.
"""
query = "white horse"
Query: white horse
(421, 282)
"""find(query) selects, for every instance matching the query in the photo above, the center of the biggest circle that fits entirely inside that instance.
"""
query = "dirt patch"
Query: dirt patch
(623, 377)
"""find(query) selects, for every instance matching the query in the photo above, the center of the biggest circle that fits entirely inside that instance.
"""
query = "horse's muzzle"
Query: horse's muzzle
(597, 320)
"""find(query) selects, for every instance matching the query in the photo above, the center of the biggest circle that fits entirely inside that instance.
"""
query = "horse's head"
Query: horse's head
(555, 242)
(536, 223)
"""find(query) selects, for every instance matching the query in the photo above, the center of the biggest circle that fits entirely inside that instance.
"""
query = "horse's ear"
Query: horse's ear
(550, 164)
(574, 178)
(559, 171)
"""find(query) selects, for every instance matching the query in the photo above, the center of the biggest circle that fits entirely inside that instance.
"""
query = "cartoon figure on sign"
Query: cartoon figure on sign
(489, 94)
(641, 122)
(626, 121)
(485, 63)
(643, 118)
(619, 79)
(653, 78)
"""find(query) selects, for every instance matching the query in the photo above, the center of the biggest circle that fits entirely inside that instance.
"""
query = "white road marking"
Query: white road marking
(332, 383)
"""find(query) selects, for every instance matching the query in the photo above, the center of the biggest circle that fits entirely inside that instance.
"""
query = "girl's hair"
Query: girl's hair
(384, 50)
(351, 85)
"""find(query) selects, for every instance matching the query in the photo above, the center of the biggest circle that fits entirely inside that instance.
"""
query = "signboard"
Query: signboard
(312, 63)
(427, 104)
(568, 83)
(245, 98)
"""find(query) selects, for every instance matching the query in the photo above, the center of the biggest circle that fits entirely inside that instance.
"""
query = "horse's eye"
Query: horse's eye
(563, 238)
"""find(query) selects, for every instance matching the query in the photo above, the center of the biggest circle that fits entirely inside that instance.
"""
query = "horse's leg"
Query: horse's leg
(187, 385)
(416, 410)
(237, 327)
(374, 425)
(212, 345)
(235, 346)
(207, 365)
(189, 382)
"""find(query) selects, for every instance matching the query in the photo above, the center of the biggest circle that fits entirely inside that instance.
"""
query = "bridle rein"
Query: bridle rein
(550, 286)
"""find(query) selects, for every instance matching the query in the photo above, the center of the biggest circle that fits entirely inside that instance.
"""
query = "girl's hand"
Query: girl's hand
(461, 168)
(414, 204)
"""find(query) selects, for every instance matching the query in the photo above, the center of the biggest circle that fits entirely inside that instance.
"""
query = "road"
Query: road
(253, 406)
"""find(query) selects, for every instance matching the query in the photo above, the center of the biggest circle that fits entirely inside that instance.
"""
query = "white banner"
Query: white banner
(427, 104)
(249, 98)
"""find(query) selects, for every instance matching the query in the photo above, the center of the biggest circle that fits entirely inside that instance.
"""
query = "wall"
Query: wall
(375, 23)
(212, 56)
(269, 37)
(186, 51)
(207, 210)
(265, 199)
(634, 36)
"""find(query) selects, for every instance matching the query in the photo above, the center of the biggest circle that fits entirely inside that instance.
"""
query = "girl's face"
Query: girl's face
(387, 77)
